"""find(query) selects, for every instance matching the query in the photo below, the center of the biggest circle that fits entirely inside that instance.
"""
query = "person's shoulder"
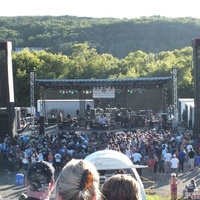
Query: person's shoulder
(31, 198)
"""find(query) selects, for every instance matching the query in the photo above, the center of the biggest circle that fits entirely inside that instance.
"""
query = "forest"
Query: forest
(74, 48)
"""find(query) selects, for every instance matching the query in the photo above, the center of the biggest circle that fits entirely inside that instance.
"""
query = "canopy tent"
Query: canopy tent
(113, 160)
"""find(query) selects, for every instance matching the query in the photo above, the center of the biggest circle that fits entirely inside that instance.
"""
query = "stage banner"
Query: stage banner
(104, 92)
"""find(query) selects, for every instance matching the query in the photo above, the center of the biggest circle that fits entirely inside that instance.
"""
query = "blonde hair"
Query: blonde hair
(121, 187)
(78, 180)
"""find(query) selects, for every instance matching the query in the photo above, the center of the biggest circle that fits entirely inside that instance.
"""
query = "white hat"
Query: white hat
(173, 174)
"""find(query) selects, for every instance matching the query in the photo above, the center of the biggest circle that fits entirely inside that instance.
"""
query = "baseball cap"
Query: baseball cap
(39, 175)
(173, 174)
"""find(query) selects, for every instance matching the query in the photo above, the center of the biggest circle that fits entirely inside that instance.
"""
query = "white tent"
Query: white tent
(113, 160)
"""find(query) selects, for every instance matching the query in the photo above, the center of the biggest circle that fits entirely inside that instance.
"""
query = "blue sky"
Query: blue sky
(101, 8)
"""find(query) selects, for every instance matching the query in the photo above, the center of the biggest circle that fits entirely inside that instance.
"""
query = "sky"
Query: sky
(101, 8)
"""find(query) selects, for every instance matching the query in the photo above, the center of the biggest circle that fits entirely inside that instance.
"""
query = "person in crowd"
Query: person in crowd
(121, 187)
(137, 157)
(128, 152)
(182, 158)
(150, 162)
(191, 156)
(174, 164)
(40, 156)
(168, 157)
(161, 166)
(50, 157)
(25, 163)
(40, 181)
(102, 122)
(66, 158)
(78, 180)
(190, 187)
(34, 157)
(174, 181)
(58, 161)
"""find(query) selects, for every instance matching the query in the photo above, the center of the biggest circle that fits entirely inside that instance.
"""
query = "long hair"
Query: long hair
(78, 180)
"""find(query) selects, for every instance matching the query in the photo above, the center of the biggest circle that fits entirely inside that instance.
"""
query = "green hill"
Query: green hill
(107, 35)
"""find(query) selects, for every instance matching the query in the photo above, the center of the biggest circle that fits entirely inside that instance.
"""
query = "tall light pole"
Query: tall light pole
(32, 84)
(174, 77)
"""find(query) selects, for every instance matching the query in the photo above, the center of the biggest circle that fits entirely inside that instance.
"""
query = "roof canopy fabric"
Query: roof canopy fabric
(118, 83)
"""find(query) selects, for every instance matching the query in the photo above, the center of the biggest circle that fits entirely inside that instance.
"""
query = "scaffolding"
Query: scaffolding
(174, 76)
(32, 83)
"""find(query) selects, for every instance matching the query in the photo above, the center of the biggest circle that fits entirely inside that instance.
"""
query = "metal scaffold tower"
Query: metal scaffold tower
(42, 102)
(32, 83)
(174, 76)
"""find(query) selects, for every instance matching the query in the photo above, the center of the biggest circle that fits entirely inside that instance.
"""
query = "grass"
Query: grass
(156, 197)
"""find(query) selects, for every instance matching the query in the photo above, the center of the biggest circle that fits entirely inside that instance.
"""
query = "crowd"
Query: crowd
(163, 151)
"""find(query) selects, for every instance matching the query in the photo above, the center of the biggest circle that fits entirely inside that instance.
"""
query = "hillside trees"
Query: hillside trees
(117, 37)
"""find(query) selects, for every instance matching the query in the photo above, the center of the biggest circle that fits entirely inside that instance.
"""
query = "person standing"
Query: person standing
(182, 157)
(174, 164)
(136, 157)
(25, 163)
(174, 181)
(191, 155)
(161, 166)
(168, 157)
(58, 161)
(150, 162)
(50, 158)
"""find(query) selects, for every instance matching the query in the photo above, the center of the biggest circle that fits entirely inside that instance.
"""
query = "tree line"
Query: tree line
(86, 63)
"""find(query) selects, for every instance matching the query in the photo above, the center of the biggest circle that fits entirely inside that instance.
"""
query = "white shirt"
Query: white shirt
(128, 153)
(57, 157)
(174, 162)
(136, 157)
(189, 146)
(167, 157)
(25, 160)
(40, 157)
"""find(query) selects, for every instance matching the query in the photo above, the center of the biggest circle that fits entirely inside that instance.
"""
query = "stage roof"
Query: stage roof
(120, 83)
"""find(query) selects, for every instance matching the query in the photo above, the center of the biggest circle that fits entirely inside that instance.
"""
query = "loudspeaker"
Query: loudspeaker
(7, 112)
(4, 125)
(164, 118)
(6, 74)
(196, 75)
(42, 125)
(92, 113)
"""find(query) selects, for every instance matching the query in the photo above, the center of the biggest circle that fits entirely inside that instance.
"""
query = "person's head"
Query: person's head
(40, 179)
(121, 187)
(22, 196)
(78, 180)
(193, 181)
(173, 175)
